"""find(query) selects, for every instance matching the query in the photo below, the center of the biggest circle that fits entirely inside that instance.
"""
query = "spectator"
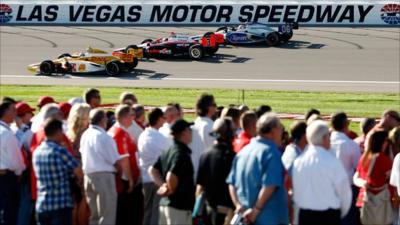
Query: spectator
(24, 135)
(8, 99)
(348, 152)
(65, 108)
(321, 187)
(205, 108)
(48, 111)
(128, 202)
(243, 109)
(75, 100)
(180, 110)
(22, 124)
(394, 139)
(78, 122)
(140, 118)
(297, 145)
(173, 173)
(390, 119)
(151, 145)
(262, 109)
(99, 159)
(233, 113)
(395, 182)
(53, 165)
(92, 97)
(313, 118)
(11, 165)
(311, 112)
(256, 178)
(37, 120)
(171, 114)
(128, 98)
(365, 125)
(248, 122)
(214, 168)
(376, 181)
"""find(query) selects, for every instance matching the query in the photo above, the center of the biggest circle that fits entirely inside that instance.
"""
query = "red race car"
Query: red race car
(182, 45)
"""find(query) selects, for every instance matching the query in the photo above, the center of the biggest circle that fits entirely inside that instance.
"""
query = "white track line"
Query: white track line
(213, 79)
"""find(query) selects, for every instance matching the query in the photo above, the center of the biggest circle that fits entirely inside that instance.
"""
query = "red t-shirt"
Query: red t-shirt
(37, 139)
(240, 141)
(378, 178)
(125, 146)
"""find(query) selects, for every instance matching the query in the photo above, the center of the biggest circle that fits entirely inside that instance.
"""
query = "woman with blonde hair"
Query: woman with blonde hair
(78, 122)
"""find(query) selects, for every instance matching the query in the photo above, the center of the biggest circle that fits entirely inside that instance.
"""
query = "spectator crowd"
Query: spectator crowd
(76, 163)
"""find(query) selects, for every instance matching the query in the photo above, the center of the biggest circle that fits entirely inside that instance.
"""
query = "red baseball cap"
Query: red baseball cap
(45, 100)
(65, 108)
(23, 108)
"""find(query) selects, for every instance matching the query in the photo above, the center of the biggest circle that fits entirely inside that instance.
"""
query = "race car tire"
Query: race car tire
(286, 37)
(130, 47)
(222, 29)
(196, 52)
(146, 41)
(113, 68)
(273, 39)
(131, 66)
(47, 67)
(212, 51)
(64, 55)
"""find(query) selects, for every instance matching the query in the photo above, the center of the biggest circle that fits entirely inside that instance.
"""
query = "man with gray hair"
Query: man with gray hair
(321, 186)
(171, 114)
(256, 183)
(100, 158)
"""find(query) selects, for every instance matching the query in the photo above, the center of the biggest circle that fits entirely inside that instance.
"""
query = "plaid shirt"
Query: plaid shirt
(53, 166)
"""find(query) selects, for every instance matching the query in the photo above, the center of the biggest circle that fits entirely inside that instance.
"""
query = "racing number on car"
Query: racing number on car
(73, 67)
(286, 28)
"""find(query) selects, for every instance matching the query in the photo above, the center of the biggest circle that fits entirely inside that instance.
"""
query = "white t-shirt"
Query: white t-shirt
(395, 176)
(151, 145)
(347, 151)
(204, 126)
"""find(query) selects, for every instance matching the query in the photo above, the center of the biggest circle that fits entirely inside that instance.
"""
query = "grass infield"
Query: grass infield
(354, 104)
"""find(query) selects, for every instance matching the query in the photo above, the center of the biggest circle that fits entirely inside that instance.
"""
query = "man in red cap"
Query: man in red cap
(44, 100)
(22, 126)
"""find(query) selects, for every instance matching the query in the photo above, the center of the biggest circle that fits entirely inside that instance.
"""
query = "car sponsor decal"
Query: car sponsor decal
(5, 13)
(237, 37)
(390, 14)
(82, 68)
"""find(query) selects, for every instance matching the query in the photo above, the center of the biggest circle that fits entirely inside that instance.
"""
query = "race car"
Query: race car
(91, 61)
(182, 45)
(257, 33)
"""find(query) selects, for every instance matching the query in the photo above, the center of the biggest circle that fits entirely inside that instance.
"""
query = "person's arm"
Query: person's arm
(169, 187)
(79, 175)
(199, 190)
(358, 181)
(265, 193)
(156, 176)
(235, 199)
(125, 168)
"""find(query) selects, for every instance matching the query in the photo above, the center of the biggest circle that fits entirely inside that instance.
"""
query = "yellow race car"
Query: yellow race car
(91, 61)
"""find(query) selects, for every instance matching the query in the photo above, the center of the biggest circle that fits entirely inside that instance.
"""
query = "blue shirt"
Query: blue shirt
(53, 167)
(259, 165)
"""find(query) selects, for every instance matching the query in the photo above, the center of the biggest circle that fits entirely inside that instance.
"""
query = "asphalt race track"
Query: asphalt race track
(321, 59)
